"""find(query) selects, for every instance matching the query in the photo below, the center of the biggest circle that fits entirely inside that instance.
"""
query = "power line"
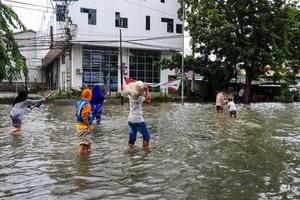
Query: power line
(117, 36)
(157, 10)
(39, 37)
(56, 13)
(28, 4)
(39, 49)
(150, 45)
(133, 40)
(27, 8)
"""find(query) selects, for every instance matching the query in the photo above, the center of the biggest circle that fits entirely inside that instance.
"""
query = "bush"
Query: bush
(62, 94)
(285, 96)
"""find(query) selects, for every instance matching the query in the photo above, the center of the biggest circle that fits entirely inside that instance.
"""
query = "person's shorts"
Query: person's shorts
(233, 112)
(16, 121)
(85, 136)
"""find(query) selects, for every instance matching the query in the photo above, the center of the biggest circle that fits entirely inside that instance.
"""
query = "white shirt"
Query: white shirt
(231, 106)
(136, 111)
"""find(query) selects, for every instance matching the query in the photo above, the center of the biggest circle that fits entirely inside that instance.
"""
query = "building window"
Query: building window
(148, 23)
(60, 13)
(121, 22)
(92, 15)
(100, 67)
(179, 28)
(141, 65)
(162, 1)
(63, 58)
(170, 24)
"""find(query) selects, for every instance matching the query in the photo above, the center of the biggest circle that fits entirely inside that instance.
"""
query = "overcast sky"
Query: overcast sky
(31, 16)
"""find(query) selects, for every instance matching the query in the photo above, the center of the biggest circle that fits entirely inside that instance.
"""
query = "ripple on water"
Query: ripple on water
(194, 153)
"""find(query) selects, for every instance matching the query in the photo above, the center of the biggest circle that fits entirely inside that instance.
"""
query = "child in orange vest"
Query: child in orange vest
(84, 121)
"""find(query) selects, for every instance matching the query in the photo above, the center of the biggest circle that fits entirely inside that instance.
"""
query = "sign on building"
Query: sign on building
(35, 62)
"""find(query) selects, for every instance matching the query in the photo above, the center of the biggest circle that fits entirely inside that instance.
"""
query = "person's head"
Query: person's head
(86, 94)
(136, 88)
(96, 88)
(22, 96)
(229, 99)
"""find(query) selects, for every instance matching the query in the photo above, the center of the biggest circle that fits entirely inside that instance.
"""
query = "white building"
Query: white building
(27, 43)
(150, 28)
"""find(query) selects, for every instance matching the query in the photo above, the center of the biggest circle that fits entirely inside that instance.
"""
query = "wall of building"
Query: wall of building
(105, 30)
(35, 71)
(135, 11)
(26, 42)
(77, 67)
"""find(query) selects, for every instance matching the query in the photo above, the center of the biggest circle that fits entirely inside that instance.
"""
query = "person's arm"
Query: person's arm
(147, 97)
(35, 103)
(85, 115)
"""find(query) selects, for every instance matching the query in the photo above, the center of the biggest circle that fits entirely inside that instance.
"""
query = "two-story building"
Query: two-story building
(150, 28)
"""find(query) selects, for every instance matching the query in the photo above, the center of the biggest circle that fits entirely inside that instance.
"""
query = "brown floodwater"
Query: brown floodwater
(195, 154)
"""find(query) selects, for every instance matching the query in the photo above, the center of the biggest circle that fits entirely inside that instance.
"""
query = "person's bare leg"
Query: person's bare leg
(145, 144)
(15, 129)
(89, 147)
(81, 149)
(130, 146)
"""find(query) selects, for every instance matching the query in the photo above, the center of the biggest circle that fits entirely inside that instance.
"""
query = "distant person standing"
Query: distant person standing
(241, 95)
(97, 104)
(220, 101)
(232, 108)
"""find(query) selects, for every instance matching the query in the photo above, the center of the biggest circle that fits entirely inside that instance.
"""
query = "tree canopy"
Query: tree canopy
(252, 33)
(12, 63)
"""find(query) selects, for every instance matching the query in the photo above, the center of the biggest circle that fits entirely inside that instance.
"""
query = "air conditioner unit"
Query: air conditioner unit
(79, 71)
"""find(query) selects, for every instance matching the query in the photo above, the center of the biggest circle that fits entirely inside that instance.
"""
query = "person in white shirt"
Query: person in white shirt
(232, 108)
(136, 122)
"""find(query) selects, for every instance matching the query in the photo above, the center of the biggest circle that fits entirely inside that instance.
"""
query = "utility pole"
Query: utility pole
(182, 61)
(68, 37)
(121, 68)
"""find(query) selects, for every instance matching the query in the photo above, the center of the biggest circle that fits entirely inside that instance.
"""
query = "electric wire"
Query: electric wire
(56, 13)
(27, 4)
(34, 9)
(157, 10)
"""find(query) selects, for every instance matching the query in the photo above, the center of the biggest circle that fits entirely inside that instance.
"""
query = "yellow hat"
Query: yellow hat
(86, 94)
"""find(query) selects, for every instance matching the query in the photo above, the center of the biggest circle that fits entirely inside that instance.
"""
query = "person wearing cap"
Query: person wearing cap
(84, 121)
(136, 122)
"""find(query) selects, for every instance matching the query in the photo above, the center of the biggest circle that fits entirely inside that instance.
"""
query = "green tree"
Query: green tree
(253, 33)
(214, 74)
(12, 63)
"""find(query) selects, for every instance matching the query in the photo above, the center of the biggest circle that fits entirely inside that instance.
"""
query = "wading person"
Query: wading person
(19, 109)
(220, 101)
(84, 120)
(136, 123)
(232, 108)
(97, 104)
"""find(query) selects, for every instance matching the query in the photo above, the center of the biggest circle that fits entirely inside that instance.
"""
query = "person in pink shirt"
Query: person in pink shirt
(220, 101)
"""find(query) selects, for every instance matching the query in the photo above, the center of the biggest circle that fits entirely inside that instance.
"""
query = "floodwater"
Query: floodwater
(195, 154)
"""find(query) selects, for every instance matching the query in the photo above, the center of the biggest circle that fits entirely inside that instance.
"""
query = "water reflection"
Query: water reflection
(194, 154)
(83, 171)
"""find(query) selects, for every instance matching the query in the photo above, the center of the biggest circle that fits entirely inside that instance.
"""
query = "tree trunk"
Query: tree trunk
(248, 91)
